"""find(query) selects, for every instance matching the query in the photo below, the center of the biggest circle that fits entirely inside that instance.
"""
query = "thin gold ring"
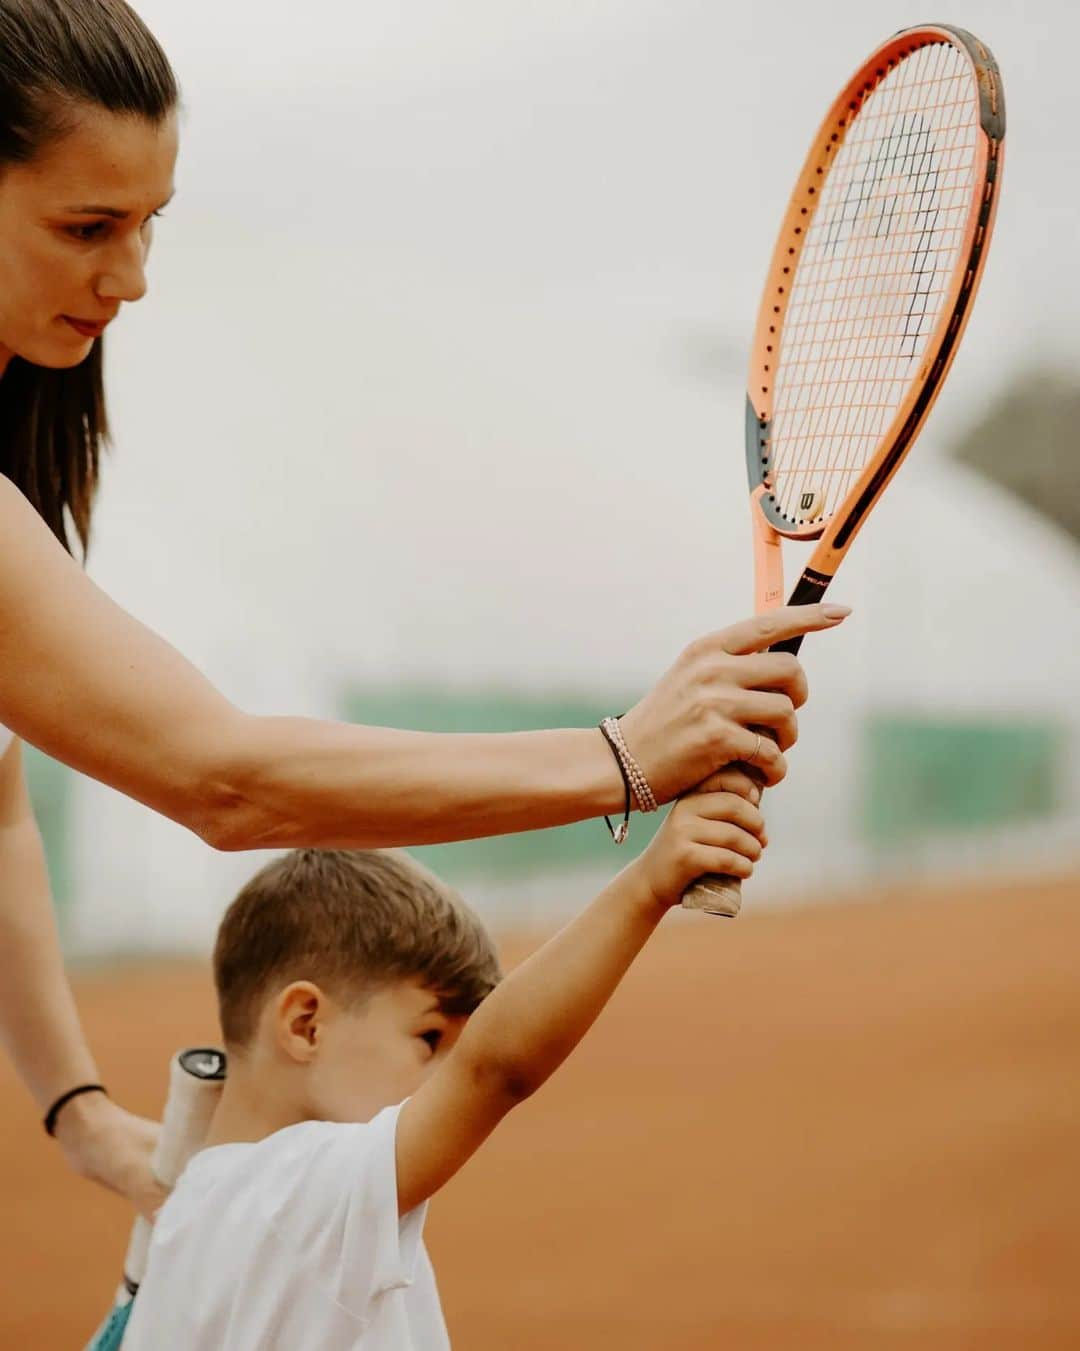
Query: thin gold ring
(757, 747)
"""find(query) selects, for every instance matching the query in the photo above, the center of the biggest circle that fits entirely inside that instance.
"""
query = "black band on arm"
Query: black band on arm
(61, 1102)
(619, 832)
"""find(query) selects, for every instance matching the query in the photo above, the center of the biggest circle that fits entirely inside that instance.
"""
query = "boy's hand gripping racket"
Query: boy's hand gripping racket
(196, 1077)
(870, 286)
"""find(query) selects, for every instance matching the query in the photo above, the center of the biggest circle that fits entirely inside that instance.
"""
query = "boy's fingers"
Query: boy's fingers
(725, 809)
(727, 835)
(732, 780)
(788, 621)
(725, 862)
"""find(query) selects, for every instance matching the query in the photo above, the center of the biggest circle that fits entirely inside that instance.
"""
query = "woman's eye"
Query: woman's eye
(86, 233)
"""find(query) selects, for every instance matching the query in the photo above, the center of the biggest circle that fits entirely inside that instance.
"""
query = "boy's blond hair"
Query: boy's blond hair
(351, 921)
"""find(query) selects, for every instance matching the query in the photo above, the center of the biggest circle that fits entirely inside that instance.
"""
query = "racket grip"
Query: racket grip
(714, 895)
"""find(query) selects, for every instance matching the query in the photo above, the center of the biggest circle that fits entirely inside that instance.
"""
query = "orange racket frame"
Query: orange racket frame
(721, 895)
(838, 533)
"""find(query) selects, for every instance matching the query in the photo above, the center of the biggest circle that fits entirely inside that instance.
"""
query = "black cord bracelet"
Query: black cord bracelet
(61, 1102)
(619, 832)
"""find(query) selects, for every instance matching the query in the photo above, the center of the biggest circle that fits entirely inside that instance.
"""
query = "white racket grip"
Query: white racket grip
(714, 895)
(196, 1078)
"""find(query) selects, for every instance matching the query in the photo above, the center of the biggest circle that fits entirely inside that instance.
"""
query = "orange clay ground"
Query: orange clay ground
(851, 1128)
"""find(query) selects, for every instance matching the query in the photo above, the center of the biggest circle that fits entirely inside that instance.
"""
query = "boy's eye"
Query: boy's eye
(433, 1038)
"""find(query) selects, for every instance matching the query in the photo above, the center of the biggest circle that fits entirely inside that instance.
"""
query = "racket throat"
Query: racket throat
(768, 561)
(809, 589)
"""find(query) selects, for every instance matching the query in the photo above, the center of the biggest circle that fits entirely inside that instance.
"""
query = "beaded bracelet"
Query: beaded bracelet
(646, 801)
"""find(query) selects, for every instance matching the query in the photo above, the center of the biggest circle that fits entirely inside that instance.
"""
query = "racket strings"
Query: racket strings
(873, 276)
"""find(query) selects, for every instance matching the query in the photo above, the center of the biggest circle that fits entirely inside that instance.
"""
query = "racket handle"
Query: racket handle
(195, 1080)
(714, 895)
(196, 1077)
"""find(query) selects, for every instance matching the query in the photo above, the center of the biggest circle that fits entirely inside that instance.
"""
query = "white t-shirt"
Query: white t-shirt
(6, 738)
(290, 1244)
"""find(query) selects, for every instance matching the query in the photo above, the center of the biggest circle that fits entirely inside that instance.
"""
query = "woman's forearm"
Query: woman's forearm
(91, 686)
(39, 1024)
(293, 781)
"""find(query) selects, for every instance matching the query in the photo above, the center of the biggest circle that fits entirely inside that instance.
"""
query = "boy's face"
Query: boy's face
(370, 1057)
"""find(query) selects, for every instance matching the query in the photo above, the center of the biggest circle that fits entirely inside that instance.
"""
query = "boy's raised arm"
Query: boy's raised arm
(528, 1026)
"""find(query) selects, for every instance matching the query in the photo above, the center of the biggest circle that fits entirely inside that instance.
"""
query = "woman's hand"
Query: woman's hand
(103, 1142)
(707, 710)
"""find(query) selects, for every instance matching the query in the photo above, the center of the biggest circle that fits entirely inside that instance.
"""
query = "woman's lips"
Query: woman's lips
(85, 327)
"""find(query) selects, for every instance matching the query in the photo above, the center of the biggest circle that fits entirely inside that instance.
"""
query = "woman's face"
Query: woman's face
(75, 228)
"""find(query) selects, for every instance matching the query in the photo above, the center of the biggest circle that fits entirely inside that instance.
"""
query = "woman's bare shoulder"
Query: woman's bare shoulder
(11, 499)
(12, 502)
(20, 525)
(36, 572)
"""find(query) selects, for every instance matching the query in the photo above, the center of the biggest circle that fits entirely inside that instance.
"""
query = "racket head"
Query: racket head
(877, 261)
(870, 286)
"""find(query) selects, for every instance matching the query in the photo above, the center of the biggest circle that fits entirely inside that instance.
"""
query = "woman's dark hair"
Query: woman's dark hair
(54, 56)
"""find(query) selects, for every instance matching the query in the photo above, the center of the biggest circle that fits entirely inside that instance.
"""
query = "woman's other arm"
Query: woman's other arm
(39, 1023)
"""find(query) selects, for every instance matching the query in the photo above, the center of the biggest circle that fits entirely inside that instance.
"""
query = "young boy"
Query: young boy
(370, 1055)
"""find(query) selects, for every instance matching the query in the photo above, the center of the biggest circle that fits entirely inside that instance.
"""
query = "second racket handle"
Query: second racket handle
(196, 1077)
(714, 895)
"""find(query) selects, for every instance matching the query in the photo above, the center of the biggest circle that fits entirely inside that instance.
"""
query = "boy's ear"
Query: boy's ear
(300, 1010)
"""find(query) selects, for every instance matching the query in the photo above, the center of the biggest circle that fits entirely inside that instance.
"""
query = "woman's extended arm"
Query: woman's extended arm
(39, 1024)
(90, 685)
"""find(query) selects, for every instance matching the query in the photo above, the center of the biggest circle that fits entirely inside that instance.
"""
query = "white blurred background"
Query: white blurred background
(440, 383)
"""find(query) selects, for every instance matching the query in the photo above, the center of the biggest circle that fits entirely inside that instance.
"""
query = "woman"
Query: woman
(88, 142)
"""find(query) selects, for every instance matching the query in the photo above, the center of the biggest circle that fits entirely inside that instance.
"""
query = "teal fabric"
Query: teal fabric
(111, 1333)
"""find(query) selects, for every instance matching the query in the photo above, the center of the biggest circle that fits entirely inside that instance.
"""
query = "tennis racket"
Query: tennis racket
(870, 286)
(196, 1077)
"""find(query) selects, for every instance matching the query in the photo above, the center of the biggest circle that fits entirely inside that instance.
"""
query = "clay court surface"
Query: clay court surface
(853, 1127)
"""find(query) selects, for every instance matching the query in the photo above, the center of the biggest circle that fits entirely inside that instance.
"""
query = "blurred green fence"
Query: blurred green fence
(924, 776)
(51, 786)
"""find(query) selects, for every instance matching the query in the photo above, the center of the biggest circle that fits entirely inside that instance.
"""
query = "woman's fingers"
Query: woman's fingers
(774, 626)
(722, 693)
